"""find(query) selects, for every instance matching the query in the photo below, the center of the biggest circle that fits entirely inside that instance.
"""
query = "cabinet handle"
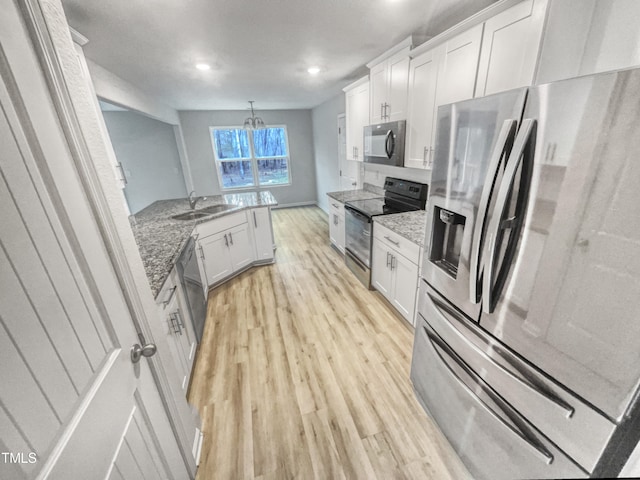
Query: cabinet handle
(167, 299)
(382, 110)
(393, 262)
(424, 156)
(226, 240)
(430, 161)
(255, 222)
(397, 244)
(386, 115)
(124, 177)
(174, 318)
(231, 238)
(388, 255)
(201, 252)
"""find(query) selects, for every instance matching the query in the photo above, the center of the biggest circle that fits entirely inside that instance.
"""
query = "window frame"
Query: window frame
(252, 158)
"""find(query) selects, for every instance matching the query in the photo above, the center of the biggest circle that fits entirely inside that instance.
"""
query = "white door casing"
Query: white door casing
(69, 393)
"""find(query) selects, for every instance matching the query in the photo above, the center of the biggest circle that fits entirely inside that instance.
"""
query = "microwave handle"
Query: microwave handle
(389, 144)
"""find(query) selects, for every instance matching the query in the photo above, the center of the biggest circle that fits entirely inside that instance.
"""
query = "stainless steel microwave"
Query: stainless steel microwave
(384, 143)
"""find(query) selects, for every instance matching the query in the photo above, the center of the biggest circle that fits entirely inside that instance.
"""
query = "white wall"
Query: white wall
(195, 127)
(325, 147)
(149, 154)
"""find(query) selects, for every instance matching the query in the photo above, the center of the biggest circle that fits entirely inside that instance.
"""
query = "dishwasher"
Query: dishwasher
(191, 283)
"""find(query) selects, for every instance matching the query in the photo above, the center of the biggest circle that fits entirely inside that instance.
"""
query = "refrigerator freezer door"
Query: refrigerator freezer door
(577, 429)
(492, 438)
(569, 298)
(472, 140)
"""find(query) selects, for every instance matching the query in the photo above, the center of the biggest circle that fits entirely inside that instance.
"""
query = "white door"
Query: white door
(405, 278)
(263, 235)
(378, 88)
(422, 98)
(510, 47)
(241, 247)
(381, 268)
(215, 258)
(457, 72)
(398, 88)
(72, 403)
(348, 168)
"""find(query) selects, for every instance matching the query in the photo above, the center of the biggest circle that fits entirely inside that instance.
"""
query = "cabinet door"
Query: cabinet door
(510, 45)
(336, 230)
(398, 90)
(240, 246)
(172, 327)
(405, 281)
(459, 66)
(379, 85)
(260, 218)
(357, 111)
(215, 257)
(423, 75)
(381, 269)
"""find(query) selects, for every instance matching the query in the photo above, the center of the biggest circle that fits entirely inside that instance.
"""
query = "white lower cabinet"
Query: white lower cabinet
(336, 224)
(394, 270)
(260, 221)
(178, 327)
(225, 253)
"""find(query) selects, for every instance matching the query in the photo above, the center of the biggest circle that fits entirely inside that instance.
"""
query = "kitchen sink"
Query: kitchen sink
(216, 208)
(189, 215)
(202, 212)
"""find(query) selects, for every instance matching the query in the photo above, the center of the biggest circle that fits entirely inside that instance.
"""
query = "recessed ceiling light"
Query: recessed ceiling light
(313, 70)
(202, 66)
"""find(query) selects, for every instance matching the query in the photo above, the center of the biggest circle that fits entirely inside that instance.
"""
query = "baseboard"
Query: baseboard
(297, 204)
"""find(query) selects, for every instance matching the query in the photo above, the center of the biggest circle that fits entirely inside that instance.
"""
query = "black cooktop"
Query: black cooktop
(399, 196)
(377, 206)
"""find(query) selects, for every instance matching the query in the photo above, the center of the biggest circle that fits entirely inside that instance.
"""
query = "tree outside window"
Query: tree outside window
(246, 158)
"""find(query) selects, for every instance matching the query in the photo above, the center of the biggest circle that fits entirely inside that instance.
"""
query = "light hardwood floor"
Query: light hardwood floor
(303, 373)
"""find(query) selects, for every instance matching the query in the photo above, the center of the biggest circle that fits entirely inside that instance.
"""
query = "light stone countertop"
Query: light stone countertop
(161, 239)
(351, 195)
(410, 225)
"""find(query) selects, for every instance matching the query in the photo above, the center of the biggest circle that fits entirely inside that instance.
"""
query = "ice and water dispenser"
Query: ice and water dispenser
(446, 241)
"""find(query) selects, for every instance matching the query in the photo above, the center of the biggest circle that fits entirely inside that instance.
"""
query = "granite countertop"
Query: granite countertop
(350, 195)
(410, 225)
(161, 239)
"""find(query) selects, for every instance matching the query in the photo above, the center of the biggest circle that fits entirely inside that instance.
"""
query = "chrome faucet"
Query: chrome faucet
(193, 199)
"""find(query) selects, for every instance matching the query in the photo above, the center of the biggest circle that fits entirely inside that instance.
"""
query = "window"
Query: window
(247, 158)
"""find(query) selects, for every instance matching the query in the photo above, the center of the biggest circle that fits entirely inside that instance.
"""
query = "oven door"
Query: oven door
(358, 234)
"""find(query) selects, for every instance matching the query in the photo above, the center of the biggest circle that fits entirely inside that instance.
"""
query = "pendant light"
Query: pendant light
(253, 122)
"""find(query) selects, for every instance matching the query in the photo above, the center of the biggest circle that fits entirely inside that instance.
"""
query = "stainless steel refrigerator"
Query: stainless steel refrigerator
(527, 346)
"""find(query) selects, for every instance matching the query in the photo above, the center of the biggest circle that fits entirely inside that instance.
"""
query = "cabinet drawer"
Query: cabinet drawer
(217, 225)
(336, 207)
(397, 242)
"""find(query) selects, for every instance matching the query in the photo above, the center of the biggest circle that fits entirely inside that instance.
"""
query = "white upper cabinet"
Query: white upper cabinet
(423, 76)
(445, 74)
(389, 87)
(510, 46)
(583, 37)
(357, 117)
(458, 67)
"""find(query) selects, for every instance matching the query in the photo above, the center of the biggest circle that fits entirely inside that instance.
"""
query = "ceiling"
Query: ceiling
(257, 50)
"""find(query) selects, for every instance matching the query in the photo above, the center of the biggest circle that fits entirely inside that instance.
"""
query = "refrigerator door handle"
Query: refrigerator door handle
(513, 420)
(449, 313)
(504, 193)
(498, 158)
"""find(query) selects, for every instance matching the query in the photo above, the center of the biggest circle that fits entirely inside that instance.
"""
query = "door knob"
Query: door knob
(149, 350)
